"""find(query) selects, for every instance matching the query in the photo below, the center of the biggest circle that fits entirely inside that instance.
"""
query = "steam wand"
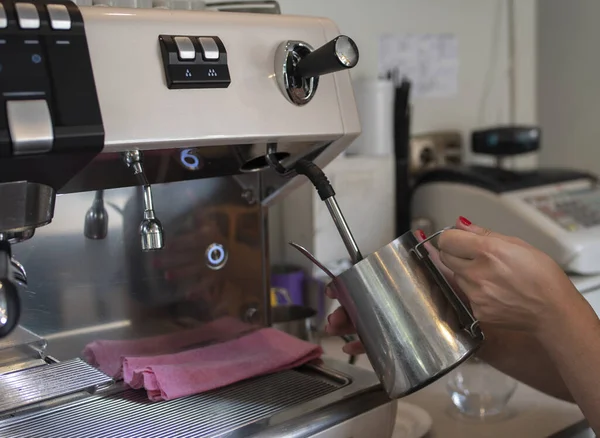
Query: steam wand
(327, 195)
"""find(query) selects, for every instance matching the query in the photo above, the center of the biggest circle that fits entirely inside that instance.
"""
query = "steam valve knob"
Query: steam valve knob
(339, 54)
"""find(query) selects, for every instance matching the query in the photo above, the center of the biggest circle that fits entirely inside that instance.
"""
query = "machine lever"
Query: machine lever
(341, 53)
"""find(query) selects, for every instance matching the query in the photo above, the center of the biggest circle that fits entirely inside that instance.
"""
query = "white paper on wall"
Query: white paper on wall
(429, 61)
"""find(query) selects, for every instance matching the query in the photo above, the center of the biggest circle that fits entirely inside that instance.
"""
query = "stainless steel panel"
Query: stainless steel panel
(81, 290)
(21, 337)
(35, 385)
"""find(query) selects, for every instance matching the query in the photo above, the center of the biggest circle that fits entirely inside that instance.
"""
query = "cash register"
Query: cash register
(554, 209)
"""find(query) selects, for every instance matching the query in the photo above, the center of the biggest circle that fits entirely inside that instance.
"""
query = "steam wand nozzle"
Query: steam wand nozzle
(151, 230)
(96, 219)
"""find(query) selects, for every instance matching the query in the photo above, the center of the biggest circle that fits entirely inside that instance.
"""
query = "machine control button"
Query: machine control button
(185, 68)
(28, 16)
(30, 126)
(185, 48)
(59, 17)
(216, 256)
(3, 19)
(210, 48)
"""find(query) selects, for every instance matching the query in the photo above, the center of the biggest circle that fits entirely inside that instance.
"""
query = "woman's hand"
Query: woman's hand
(509, 283)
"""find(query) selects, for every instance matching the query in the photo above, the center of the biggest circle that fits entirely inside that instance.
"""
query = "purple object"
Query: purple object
(292, 279)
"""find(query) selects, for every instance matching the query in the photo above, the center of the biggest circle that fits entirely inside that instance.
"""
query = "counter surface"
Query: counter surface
(532, 413)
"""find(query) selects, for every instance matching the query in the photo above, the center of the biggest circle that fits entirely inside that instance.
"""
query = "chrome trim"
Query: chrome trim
(298, 91)
(343, 229)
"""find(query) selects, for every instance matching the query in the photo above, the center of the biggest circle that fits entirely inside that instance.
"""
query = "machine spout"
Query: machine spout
(151, 230)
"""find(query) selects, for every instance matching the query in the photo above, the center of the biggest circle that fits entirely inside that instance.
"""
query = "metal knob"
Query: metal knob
(298, 67)
(96, 219)
(338, 54)
(151, 230)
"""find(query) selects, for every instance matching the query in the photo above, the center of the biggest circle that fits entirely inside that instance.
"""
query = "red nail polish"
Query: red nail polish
(422, 234)
(465, 221)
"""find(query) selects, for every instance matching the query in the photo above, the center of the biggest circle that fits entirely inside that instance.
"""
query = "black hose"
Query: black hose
(316, 177)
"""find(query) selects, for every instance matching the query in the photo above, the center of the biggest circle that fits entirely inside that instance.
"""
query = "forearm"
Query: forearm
(573, 344)
(522, 357)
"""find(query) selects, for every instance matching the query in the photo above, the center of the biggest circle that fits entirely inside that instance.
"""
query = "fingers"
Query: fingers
(339, 323)
(330, 293)
(465, 224)
(468, 241)
(353, 348)
(434, 255)
(462, 244)
(455, 264)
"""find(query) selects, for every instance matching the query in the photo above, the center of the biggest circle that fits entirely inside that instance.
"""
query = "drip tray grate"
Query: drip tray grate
(46, 382)
(213, 414)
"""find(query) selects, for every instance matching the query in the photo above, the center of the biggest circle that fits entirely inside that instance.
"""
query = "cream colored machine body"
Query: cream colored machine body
(139, 146)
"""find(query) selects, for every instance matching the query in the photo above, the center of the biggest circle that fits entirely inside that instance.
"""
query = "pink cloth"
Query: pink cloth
(190, 372)
(108, 355)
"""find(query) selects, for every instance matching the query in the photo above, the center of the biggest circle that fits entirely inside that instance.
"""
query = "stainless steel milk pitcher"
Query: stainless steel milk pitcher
(414, 327)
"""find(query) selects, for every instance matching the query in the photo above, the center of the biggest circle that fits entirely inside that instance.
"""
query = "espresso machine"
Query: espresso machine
(139, 153)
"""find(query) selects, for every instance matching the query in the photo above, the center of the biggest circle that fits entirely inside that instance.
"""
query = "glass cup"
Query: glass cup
(479, 391)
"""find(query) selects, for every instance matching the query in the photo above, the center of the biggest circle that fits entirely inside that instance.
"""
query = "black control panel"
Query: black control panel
(50, 120)
(506, 140)
(194, 62)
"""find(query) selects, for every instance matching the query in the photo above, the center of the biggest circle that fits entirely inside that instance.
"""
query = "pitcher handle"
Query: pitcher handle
(423, 242)
(417, 250)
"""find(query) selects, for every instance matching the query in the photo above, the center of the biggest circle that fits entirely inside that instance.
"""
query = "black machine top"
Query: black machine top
(500, 180)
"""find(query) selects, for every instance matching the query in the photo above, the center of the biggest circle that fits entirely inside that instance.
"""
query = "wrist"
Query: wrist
(563, 319)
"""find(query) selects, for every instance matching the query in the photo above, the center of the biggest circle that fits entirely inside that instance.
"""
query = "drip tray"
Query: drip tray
(239, 410)
(38, 384)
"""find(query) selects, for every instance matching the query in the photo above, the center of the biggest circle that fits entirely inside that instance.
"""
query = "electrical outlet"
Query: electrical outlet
(435, 149)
